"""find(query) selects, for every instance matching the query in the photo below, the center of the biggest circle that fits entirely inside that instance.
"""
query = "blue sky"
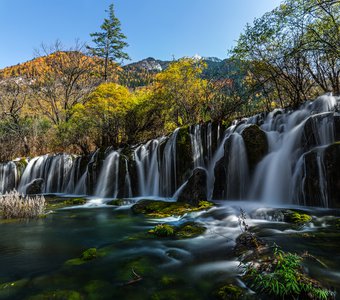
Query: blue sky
(157, 28)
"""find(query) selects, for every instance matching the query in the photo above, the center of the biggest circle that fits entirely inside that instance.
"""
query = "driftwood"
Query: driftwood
(135, 280)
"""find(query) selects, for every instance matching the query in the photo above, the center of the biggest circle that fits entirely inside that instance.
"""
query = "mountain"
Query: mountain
(143, 72)
(133, 75)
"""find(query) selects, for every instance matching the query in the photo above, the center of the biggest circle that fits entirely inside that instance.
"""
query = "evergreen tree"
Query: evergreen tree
(109, 43)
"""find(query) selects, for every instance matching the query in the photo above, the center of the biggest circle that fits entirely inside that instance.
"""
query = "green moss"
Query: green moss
(229, 291)
(86, 256)
(54, 202)
(189, 230)
(95, 289)
(296, 218)
(161, 209)
(89, 254)
(58, 295)
(185, 231)
(142, 266)
(167, 281)
(10, 289)
(163, 230)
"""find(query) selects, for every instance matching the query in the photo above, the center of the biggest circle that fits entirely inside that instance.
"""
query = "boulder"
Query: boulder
(256, 144)
(196, 188)
(35, 187)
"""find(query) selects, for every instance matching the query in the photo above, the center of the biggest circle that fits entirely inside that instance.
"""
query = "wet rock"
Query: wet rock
(196, 188)
(220, 173)
(247, 242)
(312, 136)
(184, 162)
(256, 144)
(35, 187)
(229, 292)
(184, 231)
(332, 174)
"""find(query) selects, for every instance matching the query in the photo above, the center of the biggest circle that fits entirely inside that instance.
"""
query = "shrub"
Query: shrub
(282, 276)
(13, 206)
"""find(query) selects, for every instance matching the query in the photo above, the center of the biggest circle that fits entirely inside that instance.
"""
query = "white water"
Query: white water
(108, 177)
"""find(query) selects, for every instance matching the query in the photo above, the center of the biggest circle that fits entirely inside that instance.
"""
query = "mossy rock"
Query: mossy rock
(162, 209)
(296, 218)
(163, 230)
(8, 290)
(185, 231)
(229, 292)
(58, 295)
(86, 256)
(189, 230)
(54, 202)
(248, 241)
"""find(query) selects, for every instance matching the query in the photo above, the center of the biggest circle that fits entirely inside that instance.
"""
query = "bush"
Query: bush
(14, 206)
(282, 276)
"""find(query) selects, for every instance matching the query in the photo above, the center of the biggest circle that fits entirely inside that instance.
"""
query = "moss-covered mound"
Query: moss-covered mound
(184, 231)
(161, 209)
(85, 257)
(54, 202)
(296, 218)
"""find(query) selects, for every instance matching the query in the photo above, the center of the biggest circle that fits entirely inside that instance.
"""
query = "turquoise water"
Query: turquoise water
(132, 265)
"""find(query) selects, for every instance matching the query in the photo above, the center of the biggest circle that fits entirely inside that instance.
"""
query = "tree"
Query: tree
(62, 79)
(109, 43)
(100, 122)
(181, 91)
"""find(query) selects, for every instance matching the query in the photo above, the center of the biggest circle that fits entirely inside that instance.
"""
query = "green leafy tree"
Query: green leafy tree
(180, 90)
(110, 42)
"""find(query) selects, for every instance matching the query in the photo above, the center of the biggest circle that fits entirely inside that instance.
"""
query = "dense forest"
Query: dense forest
(80, 98)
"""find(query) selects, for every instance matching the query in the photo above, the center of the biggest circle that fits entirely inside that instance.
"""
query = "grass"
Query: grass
(13, 205)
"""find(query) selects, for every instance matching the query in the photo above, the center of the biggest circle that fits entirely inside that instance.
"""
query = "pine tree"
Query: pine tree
(109, 43)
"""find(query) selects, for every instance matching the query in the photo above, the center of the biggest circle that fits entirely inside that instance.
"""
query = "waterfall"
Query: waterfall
(197, 147)
(237, 170)
(82, 186)
(53, 169)
(8, 177)
(108, 179)
(127, 182)
(292, 170)
(276, 175)
(147, 163)
(168, 166)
